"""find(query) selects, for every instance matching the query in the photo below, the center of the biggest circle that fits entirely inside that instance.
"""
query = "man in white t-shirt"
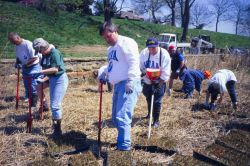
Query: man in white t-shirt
(124, 73)
(154, 57)
(28, 61)
(222, 81)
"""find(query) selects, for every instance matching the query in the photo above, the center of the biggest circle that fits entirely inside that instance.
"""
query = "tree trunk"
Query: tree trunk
(173, 18)
(107, 16)
(216, 25)
(185, 21)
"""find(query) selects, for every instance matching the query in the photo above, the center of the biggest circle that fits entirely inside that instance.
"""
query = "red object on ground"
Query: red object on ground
(17, 88)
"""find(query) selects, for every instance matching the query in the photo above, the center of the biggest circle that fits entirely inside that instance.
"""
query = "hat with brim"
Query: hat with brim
(152, 42)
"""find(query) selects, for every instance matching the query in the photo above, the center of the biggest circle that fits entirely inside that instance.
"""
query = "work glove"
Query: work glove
(103, 78)
(129, 87)
(212, 106)
(143, 73)
(18, 65)
(206, 105)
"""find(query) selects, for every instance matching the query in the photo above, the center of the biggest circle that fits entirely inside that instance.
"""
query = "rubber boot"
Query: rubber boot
(57, 127)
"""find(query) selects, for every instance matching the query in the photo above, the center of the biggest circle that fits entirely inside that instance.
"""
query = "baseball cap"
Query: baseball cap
(40, 44)
(171, 47)
(152, 42)
(207, 74)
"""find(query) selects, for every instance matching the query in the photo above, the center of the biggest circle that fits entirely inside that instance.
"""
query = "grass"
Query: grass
(66, 29)
(181, 130)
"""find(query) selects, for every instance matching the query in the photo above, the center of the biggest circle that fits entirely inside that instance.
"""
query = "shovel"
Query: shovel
(17, 88)
(151, 112)
(41, 102)
(100, 120)
(29, 120)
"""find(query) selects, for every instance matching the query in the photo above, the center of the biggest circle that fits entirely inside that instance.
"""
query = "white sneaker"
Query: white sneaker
(26, 100)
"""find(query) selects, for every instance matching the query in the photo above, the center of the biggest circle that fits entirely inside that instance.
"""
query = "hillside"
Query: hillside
(66, 30)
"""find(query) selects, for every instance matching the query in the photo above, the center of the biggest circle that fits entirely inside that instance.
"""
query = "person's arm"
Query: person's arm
(31, 60)
(221, 97)
(207, 97)
(166, 67)
(51, 70)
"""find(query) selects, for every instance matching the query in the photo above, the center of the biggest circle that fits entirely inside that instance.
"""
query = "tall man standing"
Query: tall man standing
(124, 73)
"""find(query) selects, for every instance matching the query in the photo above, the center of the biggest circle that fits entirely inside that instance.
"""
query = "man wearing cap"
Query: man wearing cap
(192, 79)
(124, 73)
(28, 61)
(54, 69)
(154, 57)
(177, 66)
(222, 81)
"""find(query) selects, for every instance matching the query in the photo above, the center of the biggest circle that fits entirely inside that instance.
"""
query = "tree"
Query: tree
(221, 9)
(200, 16)
(149, 6)
(185, 6)
(239, 13)
(99, 7)
(107, 16)
(172, 5)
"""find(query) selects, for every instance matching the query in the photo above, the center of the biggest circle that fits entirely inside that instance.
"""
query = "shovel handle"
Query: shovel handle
(100, 115)
(17, 88)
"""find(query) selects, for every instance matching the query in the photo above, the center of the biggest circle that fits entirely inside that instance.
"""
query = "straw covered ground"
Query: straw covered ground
(184, 126)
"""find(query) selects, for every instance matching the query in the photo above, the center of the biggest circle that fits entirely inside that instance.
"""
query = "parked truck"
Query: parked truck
(168, 39)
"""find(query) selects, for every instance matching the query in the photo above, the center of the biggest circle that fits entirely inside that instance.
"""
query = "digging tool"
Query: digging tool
(41, 102)
(17, 88)
(151, 111)
(100, 120)
(29, 120)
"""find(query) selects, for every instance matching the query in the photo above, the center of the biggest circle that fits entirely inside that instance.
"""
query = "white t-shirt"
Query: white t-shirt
(123, 60)
(222, 77)
(25, 51)
(154, 62)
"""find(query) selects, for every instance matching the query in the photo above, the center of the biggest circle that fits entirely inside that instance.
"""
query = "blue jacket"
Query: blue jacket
(191, 79)
(176, 60)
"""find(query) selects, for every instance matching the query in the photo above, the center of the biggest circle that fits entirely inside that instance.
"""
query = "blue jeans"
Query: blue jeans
(26, 73)
(231, 91)
(158, 96)
(122, 112)
(57, 88)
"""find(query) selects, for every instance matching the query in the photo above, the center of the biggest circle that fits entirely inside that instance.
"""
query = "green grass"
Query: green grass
(66, 29)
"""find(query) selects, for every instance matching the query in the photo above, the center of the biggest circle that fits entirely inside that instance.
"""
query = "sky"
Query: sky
(225, 27)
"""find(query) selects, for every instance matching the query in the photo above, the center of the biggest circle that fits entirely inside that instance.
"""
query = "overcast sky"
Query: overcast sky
(225, 27)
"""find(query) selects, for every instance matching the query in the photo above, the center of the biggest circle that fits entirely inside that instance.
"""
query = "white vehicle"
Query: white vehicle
(168, 39)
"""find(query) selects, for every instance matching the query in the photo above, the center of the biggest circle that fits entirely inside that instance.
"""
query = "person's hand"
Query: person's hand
(178, 71)
(129, 87)
(212, 106)
(143, 73)
(103, 78)
(18, 65)
(40, 80)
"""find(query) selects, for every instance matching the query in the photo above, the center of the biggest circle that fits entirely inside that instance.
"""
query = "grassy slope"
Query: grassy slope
(65, 30)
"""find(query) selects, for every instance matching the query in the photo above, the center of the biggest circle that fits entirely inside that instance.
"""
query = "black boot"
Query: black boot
(156, 115)
(57, 127)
